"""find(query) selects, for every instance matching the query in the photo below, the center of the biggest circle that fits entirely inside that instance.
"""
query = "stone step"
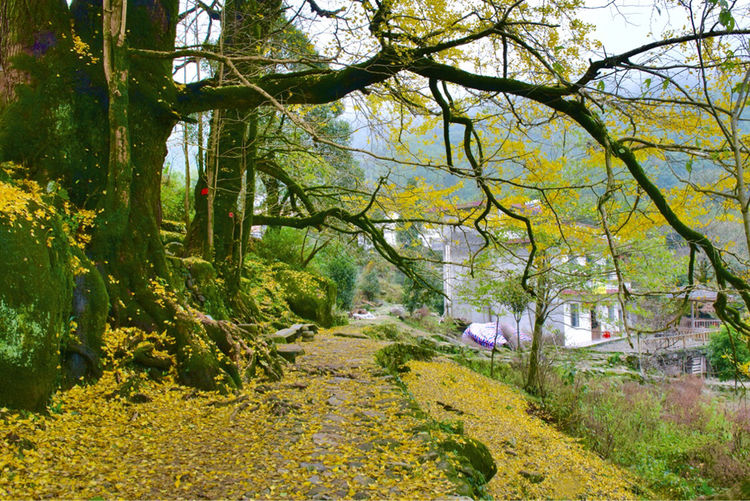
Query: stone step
(290, 352)
(285, 335)
(305, 327)
(252, 329)
(353, 335)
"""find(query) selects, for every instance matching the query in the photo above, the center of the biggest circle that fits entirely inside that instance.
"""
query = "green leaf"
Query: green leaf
(665, 84)
(600, 85)
(648, 83)
(689, 166)
(726, 19)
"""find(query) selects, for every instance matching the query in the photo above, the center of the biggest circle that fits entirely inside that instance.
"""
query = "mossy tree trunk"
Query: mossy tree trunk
(247, 25)
(117, 170)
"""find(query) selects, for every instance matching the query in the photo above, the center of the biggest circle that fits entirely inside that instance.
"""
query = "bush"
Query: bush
(370, 285)
(281, 244)
(173, 197)
(343, 271)
(721, 354)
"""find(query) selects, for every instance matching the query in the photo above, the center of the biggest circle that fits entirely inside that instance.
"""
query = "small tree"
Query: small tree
(512, 296)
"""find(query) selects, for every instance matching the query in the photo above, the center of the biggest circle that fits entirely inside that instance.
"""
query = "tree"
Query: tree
(515, 299)
(65, 73)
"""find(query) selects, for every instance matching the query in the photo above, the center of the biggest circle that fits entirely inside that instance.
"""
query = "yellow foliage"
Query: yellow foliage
(496, 415)
(332, 427)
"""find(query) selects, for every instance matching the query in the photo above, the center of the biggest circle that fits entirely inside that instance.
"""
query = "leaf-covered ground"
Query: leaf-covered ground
(336, 426)
(533, 459)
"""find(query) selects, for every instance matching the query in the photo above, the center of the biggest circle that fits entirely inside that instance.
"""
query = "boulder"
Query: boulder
(288, 335)
(174, 248)
(204, 287)
(473, 455)
(290, 352)
(35, 298)
(310, 296)
(399, 312)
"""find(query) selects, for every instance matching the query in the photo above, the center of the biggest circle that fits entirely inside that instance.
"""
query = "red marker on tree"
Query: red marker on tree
(204, 191)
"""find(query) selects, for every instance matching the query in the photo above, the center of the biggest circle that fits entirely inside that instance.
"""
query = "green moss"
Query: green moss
(310, 296)
(81, 351)
(395, 356)
(476, 460)
(200, 269)
(35, 304)
(170, 236)
(208, 291)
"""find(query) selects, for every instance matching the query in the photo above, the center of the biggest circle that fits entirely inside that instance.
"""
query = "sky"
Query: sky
(620, 26)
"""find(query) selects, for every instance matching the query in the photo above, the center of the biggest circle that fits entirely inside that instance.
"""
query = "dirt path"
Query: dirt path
(335, 427)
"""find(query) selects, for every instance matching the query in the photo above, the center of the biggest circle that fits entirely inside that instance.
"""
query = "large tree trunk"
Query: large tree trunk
(69, 103)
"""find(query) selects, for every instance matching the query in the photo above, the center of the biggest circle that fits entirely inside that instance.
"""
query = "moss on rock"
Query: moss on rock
(35, 299)
(310, 296)
(207, 289)
(170, 236)
(395, 356)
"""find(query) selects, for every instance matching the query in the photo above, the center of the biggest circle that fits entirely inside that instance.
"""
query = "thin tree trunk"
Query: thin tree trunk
(532, 379)
(186, 153)
(120, 167)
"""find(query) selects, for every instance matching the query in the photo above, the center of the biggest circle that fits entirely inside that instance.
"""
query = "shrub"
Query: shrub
(370, 286)
(723, 347)
(343, 271)
(173, 197)
(281, 244)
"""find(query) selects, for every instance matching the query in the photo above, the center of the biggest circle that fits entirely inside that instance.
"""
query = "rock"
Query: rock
(251, 329)
(316, 466)
(353, 335)
(314, 479)
(206, 290)
(394, 356)
(144, 355)
(139, 398)
(334, 402)
(305, 327)
(325, 439)
(398, 312)
(400, 465)
(35, 299)
(362, 480)
(290, 352)
(174, 249)
(473, 454)
(287, 335)
(170, 236)
(176, 226)
(532, 476)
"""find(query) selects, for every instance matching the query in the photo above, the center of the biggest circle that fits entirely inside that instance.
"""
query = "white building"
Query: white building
(576, 318)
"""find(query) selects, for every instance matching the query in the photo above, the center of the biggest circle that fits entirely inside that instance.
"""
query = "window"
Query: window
(611, 312)
(574, 315)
